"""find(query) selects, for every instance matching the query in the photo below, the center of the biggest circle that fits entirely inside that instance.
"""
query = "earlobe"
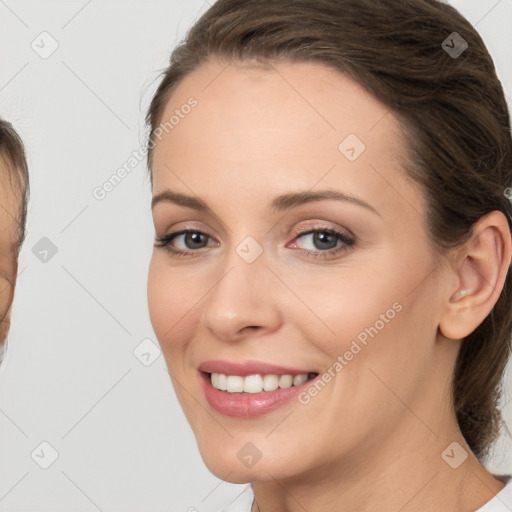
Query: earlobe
(481, 269)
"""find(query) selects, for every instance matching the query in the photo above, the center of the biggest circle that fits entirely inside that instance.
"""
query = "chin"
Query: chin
(241, 461)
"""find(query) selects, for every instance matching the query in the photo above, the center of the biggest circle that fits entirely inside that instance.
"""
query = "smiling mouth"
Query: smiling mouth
(257, 383)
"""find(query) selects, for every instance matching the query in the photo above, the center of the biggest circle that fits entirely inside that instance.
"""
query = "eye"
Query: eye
(191, 239)
(323, 242)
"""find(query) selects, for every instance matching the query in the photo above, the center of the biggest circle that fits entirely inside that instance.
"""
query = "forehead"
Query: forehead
(302, 99)
(290, 125)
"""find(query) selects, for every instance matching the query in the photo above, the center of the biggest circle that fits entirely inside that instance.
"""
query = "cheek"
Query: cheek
(6, 294)
(171, 300)
(174, 299)
(166, 301)
(373, 316)
(157, 297)
(340, 305)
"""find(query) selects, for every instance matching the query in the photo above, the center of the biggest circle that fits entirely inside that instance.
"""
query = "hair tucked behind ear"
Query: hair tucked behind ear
(452, 110)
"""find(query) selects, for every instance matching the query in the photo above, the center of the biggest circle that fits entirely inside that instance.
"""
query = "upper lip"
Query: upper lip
(248, 368)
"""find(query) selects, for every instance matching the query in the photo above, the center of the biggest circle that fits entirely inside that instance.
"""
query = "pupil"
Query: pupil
(194, 239)
(321, 238)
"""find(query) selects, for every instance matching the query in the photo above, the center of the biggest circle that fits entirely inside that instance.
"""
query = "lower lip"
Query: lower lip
(248, 405)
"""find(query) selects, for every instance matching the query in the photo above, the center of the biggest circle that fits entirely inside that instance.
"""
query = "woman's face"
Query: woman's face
(306, 258)
(9, 234)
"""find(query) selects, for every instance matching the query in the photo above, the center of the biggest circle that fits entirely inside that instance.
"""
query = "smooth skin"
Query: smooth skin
(9, 232)
(372, 439)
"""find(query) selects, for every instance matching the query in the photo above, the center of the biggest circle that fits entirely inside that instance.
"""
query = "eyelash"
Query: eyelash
(165, 242)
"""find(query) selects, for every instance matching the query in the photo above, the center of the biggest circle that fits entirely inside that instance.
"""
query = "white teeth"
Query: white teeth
(255, 383)
(222, 382)
(285, 381)
(299, 379)
(270, 382)
(235, 384)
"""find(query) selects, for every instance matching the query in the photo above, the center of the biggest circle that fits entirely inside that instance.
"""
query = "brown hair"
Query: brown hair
(451, 107)
(14, 163)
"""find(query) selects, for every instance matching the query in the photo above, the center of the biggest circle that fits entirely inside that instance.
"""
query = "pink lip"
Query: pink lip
(247, 405)
(248, 368)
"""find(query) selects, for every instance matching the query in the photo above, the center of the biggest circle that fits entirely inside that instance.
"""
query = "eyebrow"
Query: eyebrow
(279, 204)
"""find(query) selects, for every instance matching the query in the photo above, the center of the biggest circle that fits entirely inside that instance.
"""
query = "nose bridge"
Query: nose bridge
(240, 297)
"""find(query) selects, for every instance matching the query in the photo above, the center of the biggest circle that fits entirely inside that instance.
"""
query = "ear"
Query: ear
(481, 267)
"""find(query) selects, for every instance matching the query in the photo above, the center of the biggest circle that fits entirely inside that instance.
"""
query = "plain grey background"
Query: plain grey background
(76, 78)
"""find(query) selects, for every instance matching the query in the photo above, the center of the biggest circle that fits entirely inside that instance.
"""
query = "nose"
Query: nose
(242, 302)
